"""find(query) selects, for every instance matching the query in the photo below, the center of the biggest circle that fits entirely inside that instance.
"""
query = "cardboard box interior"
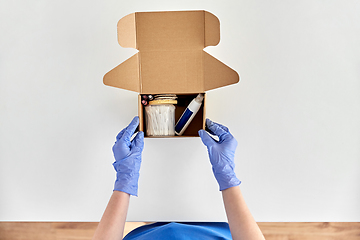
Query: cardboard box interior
(183, 101)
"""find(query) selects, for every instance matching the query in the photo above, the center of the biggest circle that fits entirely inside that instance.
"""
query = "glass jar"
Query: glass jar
(160, 118)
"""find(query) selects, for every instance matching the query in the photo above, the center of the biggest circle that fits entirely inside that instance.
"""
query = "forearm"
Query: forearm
(241, 222)
(112, 223)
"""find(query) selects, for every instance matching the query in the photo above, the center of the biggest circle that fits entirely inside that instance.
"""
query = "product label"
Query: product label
(184, 118)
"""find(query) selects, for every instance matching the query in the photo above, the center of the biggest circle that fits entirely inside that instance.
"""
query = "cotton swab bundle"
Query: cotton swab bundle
(160, 120)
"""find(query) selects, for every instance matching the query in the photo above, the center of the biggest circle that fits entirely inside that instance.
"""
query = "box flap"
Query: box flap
(171, 72)
(174, 30)
(125, 75)
(126, 30)
(216, 73)
(171, 57)
(161, 31)
(212, 29)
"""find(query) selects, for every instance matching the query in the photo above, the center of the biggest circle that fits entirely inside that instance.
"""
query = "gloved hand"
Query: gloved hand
(221, 153)
(128, 158)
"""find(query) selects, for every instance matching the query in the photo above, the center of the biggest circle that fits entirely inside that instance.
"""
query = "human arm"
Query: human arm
(241, 222)
(111, 225)
(127, 163)
(221, 154)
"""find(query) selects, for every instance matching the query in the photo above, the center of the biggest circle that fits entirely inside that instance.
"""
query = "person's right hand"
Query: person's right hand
(127, 156)
(221, 153)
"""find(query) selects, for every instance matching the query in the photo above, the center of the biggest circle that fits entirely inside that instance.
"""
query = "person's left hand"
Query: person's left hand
(128, 158)
(221, 153)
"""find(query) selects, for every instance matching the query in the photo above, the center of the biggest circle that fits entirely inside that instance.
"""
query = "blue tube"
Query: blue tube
(182, 121)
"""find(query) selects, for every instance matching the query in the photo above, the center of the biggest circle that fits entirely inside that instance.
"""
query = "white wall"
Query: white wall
(295, 113)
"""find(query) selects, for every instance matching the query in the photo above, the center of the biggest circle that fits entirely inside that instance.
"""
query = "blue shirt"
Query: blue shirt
(182, 231)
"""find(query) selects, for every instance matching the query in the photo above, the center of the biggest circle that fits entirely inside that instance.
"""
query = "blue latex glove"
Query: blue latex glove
(221, 153)
(128, 158)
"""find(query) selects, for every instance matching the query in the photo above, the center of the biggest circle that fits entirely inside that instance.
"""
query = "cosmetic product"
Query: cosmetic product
(188, 114)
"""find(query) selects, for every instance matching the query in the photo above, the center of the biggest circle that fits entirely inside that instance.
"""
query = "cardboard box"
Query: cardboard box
(171, 58)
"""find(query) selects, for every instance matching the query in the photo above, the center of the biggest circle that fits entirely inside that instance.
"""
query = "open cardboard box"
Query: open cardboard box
(171, 59)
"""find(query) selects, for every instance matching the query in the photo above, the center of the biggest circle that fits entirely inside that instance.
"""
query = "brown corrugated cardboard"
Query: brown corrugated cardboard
(171, 57)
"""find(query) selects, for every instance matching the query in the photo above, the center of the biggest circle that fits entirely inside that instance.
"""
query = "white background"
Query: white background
(295, 113)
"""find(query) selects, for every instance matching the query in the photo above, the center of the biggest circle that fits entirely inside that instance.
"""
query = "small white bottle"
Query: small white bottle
(188, 114)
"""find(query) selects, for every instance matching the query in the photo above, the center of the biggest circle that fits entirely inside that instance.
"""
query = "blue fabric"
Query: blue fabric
(181, 231)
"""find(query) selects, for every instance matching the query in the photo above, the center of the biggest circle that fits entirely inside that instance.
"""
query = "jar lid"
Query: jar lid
(162, 102)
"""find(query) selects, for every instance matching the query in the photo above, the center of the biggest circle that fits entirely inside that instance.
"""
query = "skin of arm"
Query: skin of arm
(127, 154)
(112, 223)
(241, 222)
(221, 153)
